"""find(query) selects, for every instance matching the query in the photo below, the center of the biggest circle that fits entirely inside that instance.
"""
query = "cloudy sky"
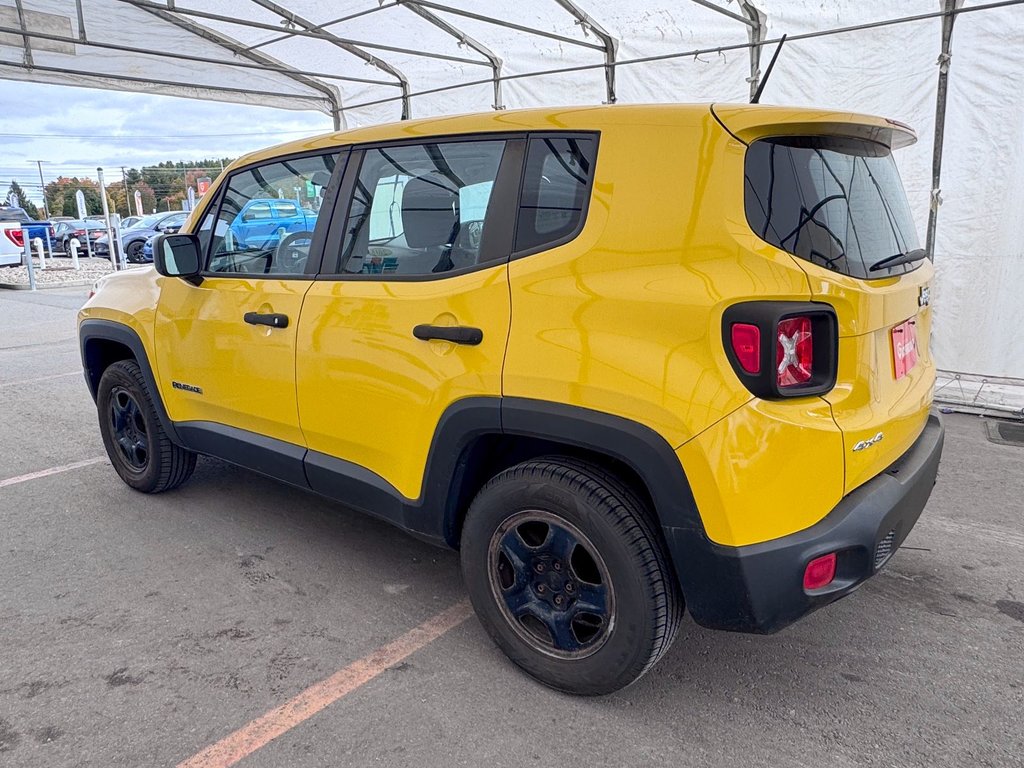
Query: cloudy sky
(77, 129)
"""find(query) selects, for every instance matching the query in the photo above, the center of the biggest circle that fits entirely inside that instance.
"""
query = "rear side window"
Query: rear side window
(833, 201)
(421, 209)
(556, 189)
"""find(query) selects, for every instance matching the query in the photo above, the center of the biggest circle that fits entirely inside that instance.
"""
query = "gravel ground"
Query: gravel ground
(59, 272)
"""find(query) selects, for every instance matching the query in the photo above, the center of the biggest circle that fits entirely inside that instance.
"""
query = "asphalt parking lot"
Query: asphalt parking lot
(140, 630)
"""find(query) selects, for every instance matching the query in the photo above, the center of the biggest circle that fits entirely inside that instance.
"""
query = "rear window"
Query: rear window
(833, 201)
(15, 214)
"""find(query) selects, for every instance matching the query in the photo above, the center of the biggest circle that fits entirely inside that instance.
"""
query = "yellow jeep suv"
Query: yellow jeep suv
(625, 359)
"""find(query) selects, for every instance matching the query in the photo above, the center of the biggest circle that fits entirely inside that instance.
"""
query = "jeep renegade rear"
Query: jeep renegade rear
(626, 359)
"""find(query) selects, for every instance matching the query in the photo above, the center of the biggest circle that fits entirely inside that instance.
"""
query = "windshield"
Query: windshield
(148, 222)
(833, 201)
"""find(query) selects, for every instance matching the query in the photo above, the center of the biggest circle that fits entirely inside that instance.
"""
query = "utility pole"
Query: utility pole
(127, 202)
(42, 184)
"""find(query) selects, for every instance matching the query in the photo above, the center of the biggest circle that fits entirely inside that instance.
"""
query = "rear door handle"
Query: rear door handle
(273, 319)
(458, 334)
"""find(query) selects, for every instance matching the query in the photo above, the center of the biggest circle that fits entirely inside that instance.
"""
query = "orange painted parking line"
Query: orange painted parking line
(51, 471)
(40, 378)
(317, 697)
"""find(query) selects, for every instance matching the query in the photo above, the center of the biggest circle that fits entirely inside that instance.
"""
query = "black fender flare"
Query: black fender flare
(95, 329)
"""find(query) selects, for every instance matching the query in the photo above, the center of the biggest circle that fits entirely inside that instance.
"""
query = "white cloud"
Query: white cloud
(46, 120)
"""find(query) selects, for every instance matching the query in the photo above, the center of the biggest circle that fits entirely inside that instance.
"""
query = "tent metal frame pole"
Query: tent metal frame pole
(325, 25)
(313, 31)
(508, 25)
(609, 44)
(941, 94)
(726, 12)
(333, 94)
(154, 81)
(81, 21)
(464, 39)
(346, 46)
(24, 34)
(755, 32)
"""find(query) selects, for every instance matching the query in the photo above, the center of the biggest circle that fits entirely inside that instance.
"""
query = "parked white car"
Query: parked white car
(11, 243)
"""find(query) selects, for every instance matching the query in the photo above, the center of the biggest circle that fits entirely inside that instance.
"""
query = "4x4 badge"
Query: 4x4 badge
(924, 297)
(868, 443)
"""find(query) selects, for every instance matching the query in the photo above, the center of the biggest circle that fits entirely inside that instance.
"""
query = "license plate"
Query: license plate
(904, 348)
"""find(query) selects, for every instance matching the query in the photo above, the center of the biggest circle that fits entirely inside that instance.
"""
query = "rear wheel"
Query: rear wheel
(567, 576)
(138, 448)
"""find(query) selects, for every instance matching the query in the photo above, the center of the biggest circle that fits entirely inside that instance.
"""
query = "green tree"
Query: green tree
(23, 201)
(60, 196)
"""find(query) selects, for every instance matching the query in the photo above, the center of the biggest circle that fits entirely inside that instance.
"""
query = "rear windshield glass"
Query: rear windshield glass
(832, 201)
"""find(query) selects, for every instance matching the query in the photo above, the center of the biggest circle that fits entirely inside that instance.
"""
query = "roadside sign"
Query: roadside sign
(138, 203)
(80, 202)
(202, 185)
(191, 199)
(310, 190)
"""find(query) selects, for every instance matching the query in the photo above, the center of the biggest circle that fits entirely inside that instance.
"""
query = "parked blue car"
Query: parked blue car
(260, 225)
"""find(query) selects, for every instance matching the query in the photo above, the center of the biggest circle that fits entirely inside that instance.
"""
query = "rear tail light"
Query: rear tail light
(782, 349)
(794, 351)
(820, 572)
(16, 236)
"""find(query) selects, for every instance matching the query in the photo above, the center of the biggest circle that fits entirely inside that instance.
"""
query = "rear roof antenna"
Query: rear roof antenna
(756, 98)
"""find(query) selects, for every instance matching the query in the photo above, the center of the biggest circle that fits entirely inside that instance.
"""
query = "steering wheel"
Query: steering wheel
(292, 252)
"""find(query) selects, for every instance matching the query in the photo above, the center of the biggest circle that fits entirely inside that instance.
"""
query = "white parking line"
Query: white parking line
(40, 378)
(51, 471)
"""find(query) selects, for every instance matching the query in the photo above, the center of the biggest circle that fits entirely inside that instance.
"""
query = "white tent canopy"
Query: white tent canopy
(364, 61)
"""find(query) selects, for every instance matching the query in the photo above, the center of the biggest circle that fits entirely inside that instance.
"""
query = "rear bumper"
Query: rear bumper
(759, 588)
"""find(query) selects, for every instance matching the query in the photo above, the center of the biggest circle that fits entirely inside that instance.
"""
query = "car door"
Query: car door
(226, 347)
(411, 311)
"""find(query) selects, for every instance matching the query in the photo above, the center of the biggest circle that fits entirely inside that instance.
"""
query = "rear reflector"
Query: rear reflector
(820, 571)
(16, 236)
(746, 343)
(794, 351)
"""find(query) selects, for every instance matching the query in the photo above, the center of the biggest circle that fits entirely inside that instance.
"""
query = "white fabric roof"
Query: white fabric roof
(289, 54)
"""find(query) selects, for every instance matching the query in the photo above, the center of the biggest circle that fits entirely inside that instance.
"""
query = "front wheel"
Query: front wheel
(138, 448)
(567, 576)
(133, 252)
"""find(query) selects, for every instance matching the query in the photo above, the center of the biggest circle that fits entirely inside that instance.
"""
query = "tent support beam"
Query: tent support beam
(81, 21)
(323, 26)
(755, 32)
(24, 34)
(942, 91)
(745, 19)
(151, 81)
(508, 25)
(464, 39)
(608, 43)
(355, 50)
(205, 33)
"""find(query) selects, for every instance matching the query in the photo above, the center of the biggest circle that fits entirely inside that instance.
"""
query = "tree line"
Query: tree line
(163, 187)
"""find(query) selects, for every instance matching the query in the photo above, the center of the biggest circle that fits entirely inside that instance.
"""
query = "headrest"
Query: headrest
(430, 210)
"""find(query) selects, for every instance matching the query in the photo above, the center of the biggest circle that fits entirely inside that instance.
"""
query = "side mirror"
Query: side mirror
(178, 256)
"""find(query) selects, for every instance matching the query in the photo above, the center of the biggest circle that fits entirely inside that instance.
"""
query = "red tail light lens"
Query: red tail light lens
(794, 351)
(16, 236)
(820, 571)
(746, 343)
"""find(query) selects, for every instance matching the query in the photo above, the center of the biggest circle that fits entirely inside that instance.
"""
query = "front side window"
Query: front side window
(556, 188)
(252, 230)
(420, 209)
(837, 202)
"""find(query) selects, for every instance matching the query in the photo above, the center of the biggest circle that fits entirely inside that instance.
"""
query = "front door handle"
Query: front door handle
(273, 319)
(458, 334)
